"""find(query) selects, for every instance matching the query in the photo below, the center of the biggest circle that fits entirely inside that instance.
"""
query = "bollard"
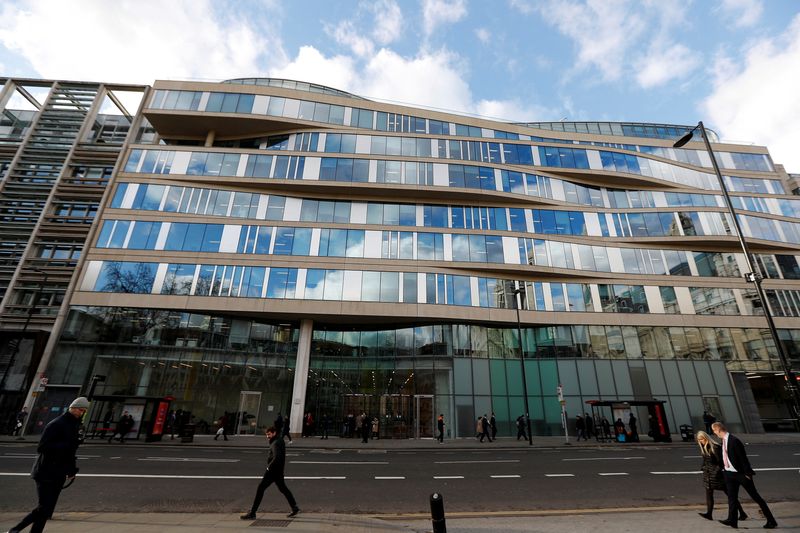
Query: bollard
(437, 513)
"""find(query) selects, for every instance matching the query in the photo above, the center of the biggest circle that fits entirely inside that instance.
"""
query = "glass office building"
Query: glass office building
(268, 246)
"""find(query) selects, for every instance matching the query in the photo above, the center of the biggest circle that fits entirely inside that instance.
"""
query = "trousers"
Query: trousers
(48, 492)
(268, 480)
(734, 480)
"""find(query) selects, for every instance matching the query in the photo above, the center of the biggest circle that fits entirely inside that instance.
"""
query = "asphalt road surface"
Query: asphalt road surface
(122, 478)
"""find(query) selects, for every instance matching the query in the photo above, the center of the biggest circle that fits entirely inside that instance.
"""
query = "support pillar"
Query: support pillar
(301, 378)
(210, 136)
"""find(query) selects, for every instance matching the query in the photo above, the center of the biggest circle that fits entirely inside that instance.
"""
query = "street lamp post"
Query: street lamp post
(753, 276)
(518, 292)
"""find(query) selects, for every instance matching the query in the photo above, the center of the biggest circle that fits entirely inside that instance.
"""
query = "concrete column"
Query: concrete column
(301, 378)
(210, 138)
(144, 380)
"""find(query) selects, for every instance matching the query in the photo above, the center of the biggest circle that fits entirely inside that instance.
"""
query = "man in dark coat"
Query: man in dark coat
(739, 473)
(521, 423)
(634, 430)
(366, 427)
(493, 424)
(55, 464)
(276, 462)
(486, 428)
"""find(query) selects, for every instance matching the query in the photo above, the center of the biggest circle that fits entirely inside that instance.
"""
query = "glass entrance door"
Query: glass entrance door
(425, 417)
(247, 417)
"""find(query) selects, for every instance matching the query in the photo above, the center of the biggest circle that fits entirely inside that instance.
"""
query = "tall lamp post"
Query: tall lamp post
(753, 276)
(518, 292)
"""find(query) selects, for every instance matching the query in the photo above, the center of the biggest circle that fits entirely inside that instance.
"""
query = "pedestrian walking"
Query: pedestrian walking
(708, 419)
(713, 479)
(223, 427)
(124, 425)
(324, 426)
(580, 428)
(485, 428)
(276, 463)
(521, 427)
(738, 473)
(589, 425)
(55, 463)
(278, 424)
(619, 430)
(634, 430)
(19, 423)
(308, 425)
(366, 425)
(606, 425)
(351, 426)
(375, 428)
(479, 427)
(493, 425)
(440, 427)
(286, 433)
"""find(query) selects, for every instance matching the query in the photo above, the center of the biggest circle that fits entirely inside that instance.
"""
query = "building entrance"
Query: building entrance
(400, 416)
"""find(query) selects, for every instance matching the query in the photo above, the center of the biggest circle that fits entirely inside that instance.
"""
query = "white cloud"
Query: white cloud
(139, 41)
(758, 100)
(602, 30)
(483, 35)
(514, 111)
(438, 12)
(310, 65)
(388, 21)
(347, 35)
(743, 13)
(663, 63)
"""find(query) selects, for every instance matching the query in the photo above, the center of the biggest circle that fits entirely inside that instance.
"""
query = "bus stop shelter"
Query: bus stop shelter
(658, 426)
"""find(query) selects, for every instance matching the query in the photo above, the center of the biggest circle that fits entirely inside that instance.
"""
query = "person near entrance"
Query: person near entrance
(223, 427)
(440, 427)
(55, 463)
(323, 422)
(276, 463)
(20, 421)
(738, 473)
(493, 425)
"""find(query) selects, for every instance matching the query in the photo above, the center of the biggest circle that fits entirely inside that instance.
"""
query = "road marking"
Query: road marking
(475, 462)
(382, 452)
(448, 477)
(776, 469)
(339, 462)
(612, 474)
(389, 477)
(167, 476)
(603, 459)
(676, 473)
(118, 457)
(505, 477)
(559, 475)
(19, 455)
(187, 460)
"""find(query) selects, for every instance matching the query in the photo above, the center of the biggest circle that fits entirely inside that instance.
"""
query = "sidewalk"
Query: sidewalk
(505, 443)
(655, 519)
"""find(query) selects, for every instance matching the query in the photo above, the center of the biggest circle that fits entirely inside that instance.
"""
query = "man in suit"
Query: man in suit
(737, 472)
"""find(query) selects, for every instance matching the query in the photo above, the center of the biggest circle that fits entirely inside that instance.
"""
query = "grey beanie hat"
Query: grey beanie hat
(79, 403)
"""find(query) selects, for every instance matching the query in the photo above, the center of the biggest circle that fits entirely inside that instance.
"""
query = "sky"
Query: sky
(735, 64)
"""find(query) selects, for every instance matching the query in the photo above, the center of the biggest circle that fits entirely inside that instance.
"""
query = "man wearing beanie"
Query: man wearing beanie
(55, 464)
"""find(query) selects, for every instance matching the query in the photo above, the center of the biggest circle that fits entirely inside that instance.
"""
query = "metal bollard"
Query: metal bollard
(437, 513)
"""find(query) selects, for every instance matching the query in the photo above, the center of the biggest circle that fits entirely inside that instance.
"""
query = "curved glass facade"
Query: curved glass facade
(328, 254)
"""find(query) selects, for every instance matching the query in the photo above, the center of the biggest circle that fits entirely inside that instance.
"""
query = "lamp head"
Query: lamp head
(685, 139)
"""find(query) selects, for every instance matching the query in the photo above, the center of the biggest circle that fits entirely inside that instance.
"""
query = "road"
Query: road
(218, 479)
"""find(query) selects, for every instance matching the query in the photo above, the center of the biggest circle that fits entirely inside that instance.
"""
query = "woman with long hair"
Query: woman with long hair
(713, 480)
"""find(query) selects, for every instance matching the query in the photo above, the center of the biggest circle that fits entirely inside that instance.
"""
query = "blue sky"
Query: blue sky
(733, 63)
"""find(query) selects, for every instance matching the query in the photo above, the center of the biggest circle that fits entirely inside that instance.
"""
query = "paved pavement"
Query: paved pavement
(653, 520)
(428, 444)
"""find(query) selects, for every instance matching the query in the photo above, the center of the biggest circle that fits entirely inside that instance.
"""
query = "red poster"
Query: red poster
(161, 417)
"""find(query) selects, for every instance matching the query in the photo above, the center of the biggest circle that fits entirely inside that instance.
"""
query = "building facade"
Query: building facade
(268, 246)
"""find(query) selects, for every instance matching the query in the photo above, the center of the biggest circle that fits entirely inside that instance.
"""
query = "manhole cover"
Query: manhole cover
(266, 522)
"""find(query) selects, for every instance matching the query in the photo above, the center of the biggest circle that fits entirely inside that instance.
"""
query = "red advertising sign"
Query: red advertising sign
(161, 417)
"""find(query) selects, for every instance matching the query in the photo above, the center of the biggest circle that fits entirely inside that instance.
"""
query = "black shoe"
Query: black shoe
(729, 523)
(742, 516)
(293, 513)
(707, 516)
(771, 524)
(248, 516)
